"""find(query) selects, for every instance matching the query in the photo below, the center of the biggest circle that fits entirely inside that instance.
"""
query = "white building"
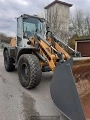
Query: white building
(57, 15)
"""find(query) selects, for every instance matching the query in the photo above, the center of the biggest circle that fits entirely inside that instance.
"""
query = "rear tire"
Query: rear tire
(29, 71)
(8, 62)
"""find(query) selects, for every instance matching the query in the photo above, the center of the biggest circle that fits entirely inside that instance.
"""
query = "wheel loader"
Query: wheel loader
(35, 50)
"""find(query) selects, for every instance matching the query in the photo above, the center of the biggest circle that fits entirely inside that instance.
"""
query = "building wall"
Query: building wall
(58, 15)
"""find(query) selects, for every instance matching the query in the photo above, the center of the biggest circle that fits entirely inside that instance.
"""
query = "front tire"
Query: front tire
(29, 71)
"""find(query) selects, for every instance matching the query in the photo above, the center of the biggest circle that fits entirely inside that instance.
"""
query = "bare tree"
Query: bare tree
(5, 38)
(87, 24)
(80, 23)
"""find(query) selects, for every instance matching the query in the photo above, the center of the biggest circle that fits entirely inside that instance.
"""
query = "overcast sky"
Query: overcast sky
(9, 9)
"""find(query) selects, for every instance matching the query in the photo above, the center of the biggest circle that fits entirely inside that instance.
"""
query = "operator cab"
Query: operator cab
(27, 26)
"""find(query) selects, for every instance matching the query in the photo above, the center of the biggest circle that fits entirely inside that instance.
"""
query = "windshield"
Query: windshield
(32, 25)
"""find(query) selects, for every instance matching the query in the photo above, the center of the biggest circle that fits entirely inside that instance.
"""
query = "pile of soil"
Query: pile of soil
(81, 72)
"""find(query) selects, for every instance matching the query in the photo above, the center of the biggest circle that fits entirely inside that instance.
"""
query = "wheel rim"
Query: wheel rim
(25, 72)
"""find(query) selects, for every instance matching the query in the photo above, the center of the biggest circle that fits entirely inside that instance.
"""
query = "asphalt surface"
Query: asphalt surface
(17, 103)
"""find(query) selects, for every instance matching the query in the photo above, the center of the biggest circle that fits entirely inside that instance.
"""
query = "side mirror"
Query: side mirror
(47, 27)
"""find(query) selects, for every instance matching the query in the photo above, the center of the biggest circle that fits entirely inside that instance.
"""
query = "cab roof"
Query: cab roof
(23, 16)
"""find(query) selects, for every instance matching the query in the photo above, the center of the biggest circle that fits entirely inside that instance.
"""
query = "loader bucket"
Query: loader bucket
(66, 93)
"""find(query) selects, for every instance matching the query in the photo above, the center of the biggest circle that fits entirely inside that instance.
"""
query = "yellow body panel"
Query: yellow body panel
(13, 42)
